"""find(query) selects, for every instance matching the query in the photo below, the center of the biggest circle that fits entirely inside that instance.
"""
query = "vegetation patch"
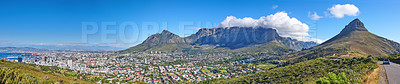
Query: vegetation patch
(309, 71)
(266, 66)
(334, 79)
(393, 58)
(207, 71)
(14, 73)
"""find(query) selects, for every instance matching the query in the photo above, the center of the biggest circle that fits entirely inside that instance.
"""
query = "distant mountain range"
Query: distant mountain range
(95, 47)
(20, 48)
(60, 47)
(236, 39)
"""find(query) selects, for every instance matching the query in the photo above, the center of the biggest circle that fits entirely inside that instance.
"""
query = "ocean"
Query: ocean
(23, 55)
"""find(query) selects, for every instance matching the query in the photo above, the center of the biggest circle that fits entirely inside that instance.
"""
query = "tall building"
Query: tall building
(145, 60)
(44, 59)
(69, 63)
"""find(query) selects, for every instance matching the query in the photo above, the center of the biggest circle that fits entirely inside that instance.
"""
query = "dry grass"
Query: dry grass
(373, 76)
(353, 54)
(266, 66)
(382, 75)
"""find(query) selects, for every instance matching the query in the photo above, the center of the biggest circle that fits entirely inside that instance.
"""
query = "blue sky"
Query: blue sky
(59, 22)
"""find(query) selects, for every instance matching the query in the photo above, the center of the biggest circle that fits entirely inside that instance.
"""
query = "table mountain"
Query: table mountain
(221, 39)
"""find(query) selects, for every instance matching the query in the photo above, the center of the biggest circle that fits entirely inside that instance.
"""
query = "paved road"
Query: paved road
(393, 73)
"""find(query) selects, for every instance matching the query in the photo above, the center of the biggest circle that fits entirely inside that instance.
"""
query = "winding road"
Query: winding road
(393, 73)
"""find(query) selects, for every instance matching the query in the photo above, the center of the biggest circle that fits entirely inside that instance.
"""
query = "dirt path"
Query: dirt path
(382, 75)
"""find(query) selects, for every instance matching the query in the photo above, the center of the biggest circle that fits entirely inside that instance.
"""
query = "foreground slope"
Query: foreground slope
(12, 73)
(308, 71)
(353, 40)
(237, 39)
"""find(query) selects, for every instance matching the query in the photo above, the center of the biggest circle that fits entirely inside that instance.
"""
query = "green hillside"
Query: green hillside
(352, 51)
(353, 41)
(309, 71)
(13, 73)
(272, 47)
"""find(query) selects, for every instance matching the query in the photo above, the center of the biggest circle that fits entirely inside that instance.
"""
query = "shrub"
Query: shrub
(333, 79)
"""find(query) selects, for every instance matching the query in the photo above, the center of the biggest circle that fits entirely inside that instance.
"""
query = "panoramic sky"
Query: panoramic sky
(127, 23)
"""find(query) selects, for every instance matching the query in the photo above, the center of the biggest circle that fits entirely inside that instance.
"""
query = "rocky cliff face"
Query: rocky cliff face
(236, 37)
(231, 38)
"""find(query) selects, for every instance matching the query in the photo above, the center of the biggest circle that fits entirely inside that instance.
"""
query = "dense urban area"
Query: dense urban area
(151, 67)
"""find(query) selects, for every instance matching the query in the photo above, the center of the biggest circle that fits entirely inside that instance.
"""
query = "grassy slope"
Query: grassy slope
(364, 42)
(353, 44)
(272, 47)
(308, 71)
(38, 73)
(266, 66)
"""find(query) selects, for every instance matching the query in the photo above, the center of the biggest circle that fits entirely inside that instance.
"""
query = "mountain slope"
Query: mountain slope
(164, 41)
(273, 47)
(353, 40)
(357, 38)
(346, 52)
(13, 73)
(306, 72)
(220, 39)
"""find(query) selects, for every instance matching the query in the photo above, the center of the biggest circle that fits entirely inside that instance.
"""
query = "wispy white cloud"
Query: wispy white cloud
(274, 6)
(339, 11)
(6, 43)
(17, 44)
(314, 16)
(286, 26)
(121, 45)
